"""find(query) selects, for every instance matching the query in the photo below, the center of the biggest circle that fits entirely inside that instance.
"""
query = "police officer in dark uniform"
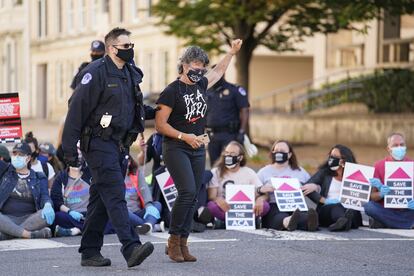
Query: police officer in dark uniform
(227, 116)
(97, 52)
(106, 113)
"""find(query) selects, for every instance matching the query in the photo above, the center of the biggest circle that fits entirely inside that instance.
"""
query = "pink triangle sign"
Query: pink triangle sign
(399, 174)
(240, 196)
(169, 182)
(286, 187)
(358, 176)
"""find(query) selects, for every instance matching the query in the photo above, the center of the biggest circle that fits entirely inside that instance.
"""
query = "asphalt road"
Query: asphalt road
(221, 252)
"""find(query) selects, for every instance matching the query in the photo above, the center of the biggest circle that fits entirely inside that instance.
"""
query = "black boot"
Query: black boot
(140, 253)
(96, 260)
(293, 222)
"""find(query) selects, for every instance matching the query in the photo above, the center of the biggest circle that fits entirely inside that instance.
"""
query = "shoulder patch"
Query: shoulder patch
(86, 78)
(242, 91)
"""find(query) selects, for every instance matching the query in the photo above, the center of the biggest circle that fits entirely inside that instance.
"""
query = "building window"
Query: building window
(42, 18)
(10, 72)
(121, 11)
(134, 10)
(164, 63)
(105, 6)
(94, 13)
(71, 13)
(17, 2)
(149, 74)
(82, 14)
(59, 15)
(58, 84)
(141, 9)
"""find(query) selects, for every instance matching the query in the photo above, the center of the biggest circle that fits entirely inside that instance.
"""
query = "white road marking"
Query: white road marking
(398, 232)
(270, 234)
(21, 244)
(296, 235)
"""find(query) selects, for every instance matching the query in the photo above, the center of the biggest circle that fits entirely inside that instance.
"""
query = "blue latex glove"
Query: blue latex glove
(48, 214)
(331, 201)
(411, 204)
(375, 182)
(384, 190)
(76, 215)
(152, 211)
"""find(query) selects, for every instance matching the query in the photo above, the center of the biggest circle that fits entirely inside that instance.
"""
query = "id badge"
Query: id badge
(105, 120)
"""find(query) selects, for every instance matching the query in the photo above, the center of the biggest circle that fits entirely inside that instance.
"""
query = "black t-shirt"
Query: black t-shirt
(20, 202)
(189, 105)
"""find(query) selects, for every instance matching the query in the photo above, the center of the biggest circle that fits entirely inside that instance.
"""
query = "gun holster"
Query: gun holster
(85, 139)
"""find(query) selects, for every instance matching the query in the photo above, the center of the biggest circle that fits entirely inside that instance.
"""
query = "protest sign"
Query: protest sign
(241, 199)
(288, 194)
(167, 187)
(399, 177)
(356, 190)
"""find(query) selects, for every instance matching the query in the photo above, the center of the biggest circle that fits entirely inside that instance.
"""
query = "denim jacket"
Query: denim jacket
(36, 181)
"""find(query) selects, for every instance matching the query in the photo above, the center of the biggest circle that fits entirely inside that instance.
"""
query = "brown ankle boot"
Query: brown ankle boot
(186, 253)
(173, 249)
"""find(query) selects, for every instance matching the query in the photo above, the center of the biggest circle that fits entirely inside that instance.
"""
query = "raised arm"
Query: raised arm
(217, 72)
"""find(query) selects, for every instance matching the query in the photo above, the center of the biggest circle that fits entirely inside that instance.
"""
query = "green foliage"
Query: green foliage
(275, 24)
(388, 91)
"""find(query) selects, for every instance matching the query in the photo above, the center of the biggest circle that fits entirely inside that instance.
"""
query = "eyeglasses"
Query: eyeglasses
(199, 70)
(124, 46)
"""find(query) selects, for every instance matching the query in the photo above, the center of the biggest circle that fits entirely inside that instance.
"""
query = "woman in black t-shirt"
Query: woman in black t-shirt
(181, 119)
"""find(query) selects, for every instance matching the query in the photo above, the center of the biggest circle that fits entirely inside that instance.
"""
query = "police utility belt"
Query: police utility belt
(106, 133)
(232, 127)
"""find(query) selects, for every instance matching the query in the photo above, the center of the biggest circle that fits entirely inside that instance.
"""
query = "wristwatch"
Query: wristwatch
(180, 136)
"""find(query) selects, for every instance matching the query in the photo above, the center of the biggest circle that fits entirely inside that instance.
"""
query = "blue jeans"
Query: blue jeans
(391, 218)
(137, 218)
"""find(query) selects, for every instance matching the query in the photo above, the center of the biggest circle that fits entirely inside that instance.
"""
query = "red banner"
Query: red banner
(10, 121)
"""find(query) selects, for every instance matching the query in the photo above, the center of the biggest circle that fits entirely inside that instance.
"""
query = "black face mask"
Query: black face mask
(95, 57)
(231, 161)
(280, 157)
(126, 55)
(333, 162)
(195, 75)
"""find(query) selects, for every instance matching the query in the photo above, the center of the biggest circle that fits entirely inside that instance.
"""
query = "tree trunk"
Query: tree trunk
(242, 69)
(243, 58)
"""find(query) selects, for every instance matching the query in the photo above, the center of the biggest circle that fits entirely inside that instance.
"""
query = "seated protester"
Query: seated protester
(144, 213)
(384, 217)
(285, 165)
(4, 154)
(70, 195)
(25, 207)
(48, 154)
(329, 176)
(36, 165)
(231, 169)
(151, 151)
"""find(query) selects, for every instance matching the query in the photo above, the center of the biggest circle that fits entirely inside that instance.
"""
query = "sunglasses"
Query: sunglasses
(124, 46)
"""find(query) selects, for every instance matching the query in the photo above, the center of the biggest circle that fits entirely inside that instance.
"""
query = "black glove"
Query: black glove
(240, 137)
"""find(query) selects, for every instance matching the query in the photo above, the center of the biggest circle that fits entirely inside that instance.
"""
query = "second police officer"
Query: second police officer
(106, 113)
(227, 116)
(97, 52)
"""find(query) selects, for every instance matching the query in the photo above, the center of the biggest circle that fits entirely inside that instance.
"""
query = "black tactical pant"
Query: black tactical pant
(107, 199)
